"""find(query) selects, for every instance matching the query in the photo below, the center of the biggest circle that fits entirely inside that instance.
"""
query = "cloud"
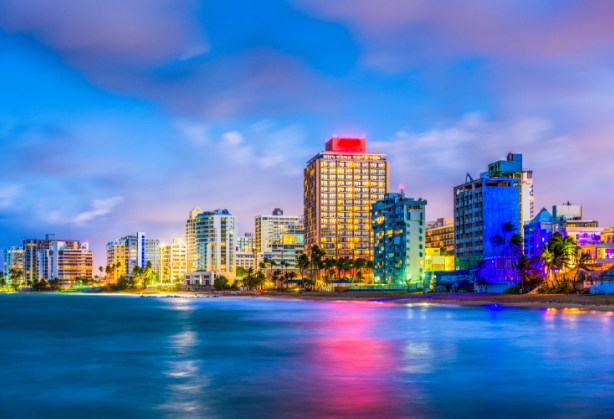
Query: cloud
(109, 34)
(8, 194)
(431, 163)
(100, 207)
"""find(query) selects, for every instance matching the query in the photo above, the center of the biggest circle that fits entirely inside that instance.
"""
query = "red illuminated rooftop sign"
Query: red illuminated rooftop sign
(347, 144)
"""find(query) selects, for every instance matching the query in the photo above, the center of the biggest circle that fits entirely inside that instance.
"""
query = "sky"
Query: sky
(118, 117)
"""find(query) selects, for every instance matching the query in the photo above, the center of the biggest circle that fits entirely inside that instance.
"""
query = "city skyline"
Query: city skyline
(102, 137)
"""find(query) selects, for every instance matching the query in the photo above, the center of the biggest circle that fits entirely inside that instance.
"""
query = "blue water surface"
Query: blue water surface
(70, 356)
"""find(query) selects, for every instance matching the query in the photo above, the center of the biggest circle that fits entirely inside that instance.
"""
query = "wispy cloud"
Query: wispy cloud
(99, 208)
(8, 194)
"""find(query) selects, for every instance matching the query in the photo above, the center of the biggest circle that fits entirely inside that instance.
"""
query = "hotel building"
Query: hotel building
(398, 231)
(173, 261)
(132, 251)
(190, 238)
(13, 259)
(215, 241)
(287, 248)
(481, 207)
(340, 184)
(65, 262)
(269, 228)
(440, 234)
(31, 249)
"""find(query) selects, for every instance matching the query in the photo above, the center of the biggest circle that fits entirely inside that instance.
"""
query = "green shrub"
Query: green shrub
(512, 290)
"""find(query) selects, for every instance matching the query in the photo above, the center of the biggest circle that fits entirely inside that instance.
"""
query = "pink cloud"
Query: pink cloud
(90, 33)
(475, 26)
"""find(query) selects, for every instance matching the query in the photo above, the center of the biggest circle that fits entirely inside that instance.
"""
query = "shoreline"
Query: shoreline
(604, 303)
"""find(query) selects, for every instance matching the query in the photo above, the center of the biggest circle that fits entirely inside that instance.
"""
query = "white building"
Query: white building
(215, 241)
(131, 251)
(270, 228)
(205, 278)
(190, 238)
(66, 262)
(246, 260)
(173, 261)
(288, 247)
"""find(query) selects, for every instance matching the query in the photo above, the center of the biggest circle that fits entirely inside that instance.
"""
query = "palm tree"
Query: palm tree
(272, 264)
(303, 263)
(359, 265)
(369, 266)
(583, 263)
(277, 277)
(479, 273)
(100, 268)
(507, 227)
(291, 276)
(527, 273)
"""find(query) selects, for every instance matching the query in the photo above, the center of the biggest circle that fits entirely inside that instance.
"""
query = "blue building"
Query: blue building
(537, 232)
(398, 239)
(481, 207)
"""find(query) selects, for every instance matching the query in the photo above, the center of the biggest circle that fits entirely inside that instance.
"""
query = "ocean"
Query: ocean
(91, 356)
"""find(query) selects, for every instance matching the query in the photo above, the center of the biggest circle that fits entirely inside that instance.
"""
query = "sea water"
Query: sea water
(70, 356)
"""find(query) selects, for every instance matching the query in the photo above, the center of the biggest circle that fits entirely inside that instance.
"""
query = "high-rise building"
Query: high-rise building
(215, 237)
(190, 238)
(398, 233)
(440, 234)
(512, 168)
(31, 247)
(132, 251)
(65, 262)
(173, 261)
(13, 259)
(269, 228)
(245, 243)
(481, 207)
(340, 184)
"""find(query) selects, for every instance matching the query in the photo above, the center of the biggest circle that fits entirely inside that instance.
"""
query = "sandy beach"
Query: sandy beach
(585, 302)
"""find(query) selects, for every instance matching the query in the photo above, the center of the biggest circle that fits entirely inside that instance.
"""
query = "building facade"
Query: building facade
(65, 262)
(269, 228)
(340, 184)
(537, 232)
(511, 168)
(440, 234)
(173, 261)
(398, 233)
(215, 242)
(13, 260)
(31, 249)
(286, 248)
(245, 260)
(190, 238)
(132, 251)
(481, 207)
(245, 243)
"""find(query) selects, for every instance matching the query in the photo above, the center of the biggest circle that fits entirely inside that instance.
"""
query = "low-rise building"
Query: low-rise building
(205, 278)
(398, 234)
(246, 260)
(287, 247)
(131, 251)
(435, 261)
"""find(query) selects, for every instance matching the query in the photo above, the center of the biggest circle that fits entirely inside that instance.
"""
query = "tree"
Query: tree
(40, 285)
(291, 276)
(303, 264)
(478, 271)
(370, 267)
(527, 273)
(583, 262)
(220, 283)
(54, 284)
(100, 268)
(178, 279)
(507, 228)
(240, 271)
(277, 277)
(359, 265)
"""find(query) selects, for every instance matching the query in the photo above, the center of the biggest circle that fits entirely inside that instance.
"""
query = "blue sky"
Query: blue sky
(118, 117)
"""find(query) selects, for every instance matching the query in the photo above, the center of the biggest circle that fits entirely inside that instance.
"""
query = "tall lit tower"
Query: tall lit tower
(340, 184)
